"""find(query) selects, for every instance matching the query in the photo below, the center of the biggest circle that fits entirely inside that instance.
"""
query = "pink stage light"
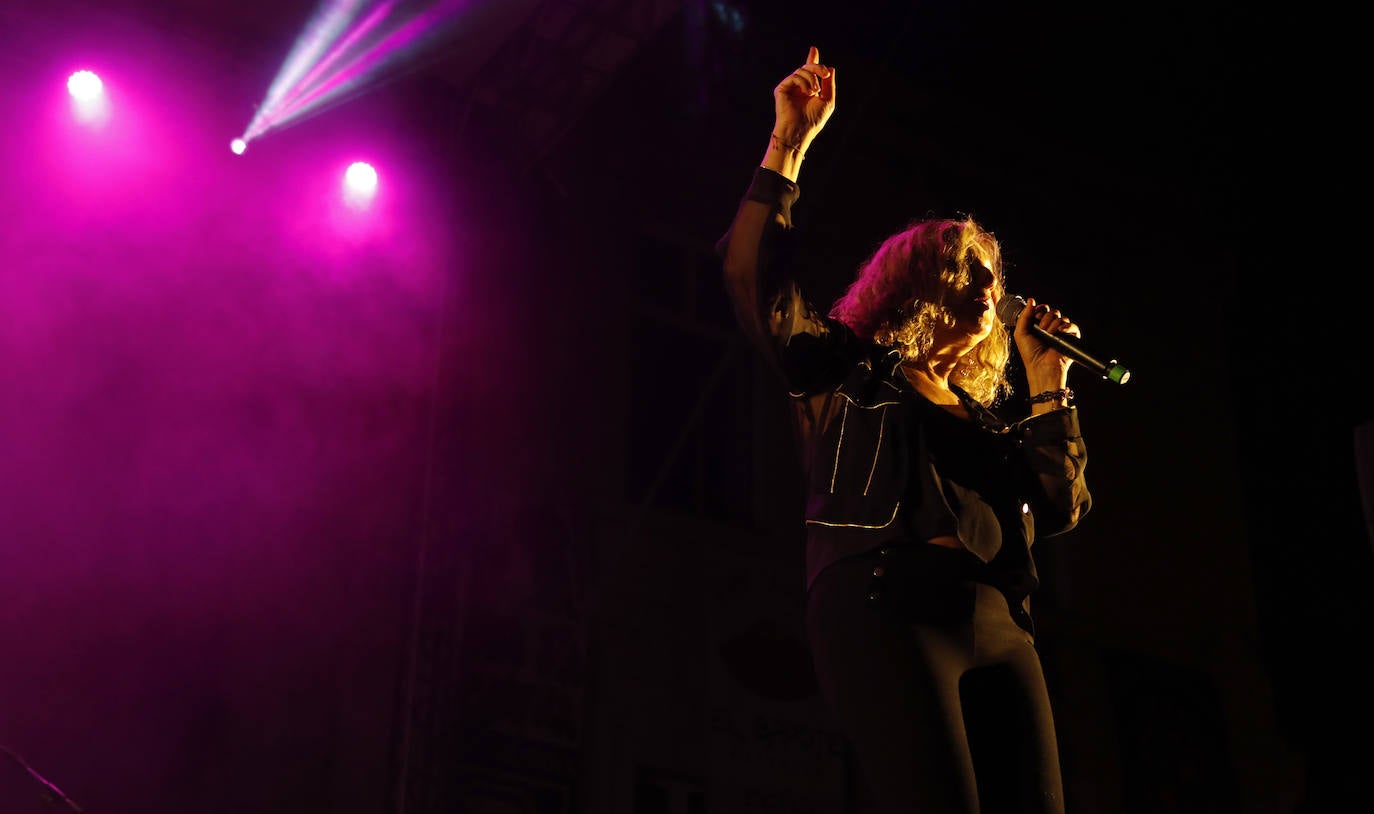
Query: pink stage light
(85, 86)
(360, 183)
(238, 145)
(361, 178)
(90, 103)
(347, 46)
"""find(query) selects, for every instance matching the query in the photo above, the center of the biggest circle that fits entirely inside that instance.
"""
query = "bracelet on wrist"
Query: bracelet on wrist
(1052, 395)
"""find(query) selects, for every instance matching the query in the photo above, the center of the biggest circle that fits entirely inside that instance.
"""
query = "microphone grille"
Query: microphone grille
(1009, 308)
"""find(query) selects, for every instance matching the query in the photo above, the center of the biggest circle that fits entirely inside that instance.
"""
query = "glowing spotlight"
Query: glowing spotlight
(359, 185)
(238, 145)
(84, 86)
(361, 179)
(90, 103)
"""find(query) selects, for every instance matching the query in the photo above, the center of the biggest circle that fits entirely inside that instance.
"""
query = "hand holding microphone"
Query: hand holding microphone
(1009, 308)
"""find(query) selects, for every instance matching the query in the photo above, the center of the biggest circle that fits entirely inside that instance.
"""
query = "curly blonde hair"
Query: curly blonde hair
(896, 299)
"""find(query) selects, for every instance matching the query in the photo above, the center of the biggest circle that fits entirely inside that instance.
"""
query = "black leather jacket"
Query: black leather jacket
(873, 479)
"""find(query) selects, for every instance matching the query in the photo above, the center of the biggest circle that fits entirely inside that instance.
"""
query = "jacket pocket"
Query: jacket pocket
(872, 511)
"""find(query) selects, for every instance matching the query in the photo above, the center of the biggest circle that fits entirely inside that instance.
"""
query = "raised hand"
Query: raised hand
(803, 102)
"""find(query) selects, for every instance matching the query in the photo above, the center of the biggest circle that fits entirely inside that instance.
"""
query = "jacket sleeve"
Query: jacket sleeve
(803, 346)
(1055, 455)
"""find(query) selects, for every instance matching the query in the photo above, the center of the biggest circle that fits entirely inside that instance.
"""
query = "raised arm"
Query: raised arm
(802, 104)
(767, 302)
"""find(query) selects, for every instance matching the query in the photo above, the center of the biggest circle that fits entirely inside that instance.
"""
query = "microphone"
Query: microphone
(1011, 306)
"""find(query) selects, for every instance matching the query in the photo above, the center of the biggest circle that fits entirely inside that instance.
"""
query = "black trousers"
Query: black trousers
(940, 693)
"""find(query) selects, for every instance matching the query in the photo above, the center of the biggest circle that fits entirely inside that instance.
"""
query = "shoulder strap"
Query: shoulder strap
(986, 418)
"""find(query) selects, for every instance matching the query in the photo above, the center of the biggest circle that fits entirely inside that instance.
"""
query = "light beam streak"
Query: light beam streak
(338, 54)
(287, 97)
(324, 29)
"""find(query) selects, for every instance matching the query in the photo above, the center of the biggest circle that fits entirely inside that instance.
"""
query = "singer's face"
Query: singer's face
(974, 300)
